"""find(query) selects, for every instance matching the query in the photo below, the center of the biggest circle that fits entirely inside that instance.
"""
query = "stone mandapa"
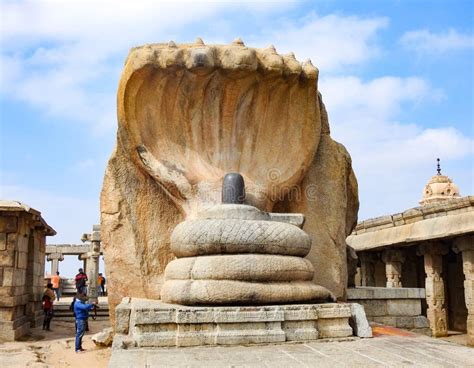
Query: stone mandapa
(188, 114)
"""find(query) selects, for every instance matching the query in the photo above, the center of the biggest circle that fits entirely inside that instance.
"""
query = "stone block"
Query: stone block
(405, 322)
(3, 241)
(8, 224)
(11, 331)
(358, 321)
(390, 293)
(7, 258)
(14, 324)
(374, 307)
(12, 301)
(416, 293)
(195, 334)
(104, 338)
(384, 320)
(421, 322)
(22, 244)
(11, 313)
(360, 293)
(22, 260)
(299, 312)
(11, 241)
(371, 292)
(332, 310)
(422, 331)
(249, 333)
(300, 330)
(8, 276)
(248, 314)
(399, 322)
(334, 327)
(122, 318)
(148, 340)
(7, 291)
(404, 307)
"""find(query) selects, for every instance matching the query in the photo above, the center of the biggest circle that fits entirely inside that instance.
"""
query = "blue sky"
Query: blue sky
(396, 76)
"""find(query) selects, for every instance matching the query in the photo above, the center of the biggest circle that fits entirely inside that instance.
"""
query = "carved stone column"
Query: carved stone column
(84, 257)
(93, 262)
(367, 268)
(434, 285)
(393, 259)
(55, 258)
(465, 245)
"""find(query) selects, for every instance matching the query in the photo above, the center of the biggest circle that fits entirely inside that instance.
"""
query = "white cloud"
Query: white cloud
(365, 118)
(378, 98)
(331, 41)
(64, 58)
(390, 157)
(424, 41)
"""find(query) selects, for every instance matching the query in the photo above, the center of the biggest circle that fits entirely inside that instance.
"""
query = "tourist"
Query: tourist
(81, 313)
(101, 284)
(48, 298)
(56, 281)
(71, 308)
(81, 280)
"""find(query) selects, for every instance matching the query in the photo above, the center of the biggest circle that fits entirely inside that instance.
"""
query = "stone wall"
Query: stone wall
(397, 307)
(22, 257)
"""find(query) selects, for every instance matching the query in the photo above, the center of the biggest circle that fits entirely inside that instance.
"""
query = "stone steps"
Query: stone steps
(62, 312)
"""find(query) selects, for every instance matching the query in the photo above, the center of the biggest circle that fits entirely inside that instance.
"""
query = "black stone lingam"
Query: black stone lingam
(233, 189)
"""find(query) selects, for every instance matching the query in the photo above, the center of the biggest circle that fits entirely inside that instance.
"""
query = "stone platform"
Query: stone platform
(143, 323)
(397, 307)
(390, 350)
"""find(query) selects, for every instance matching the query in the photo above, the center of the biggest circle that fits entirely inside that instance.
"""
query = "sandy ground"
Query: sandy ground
(55, 348)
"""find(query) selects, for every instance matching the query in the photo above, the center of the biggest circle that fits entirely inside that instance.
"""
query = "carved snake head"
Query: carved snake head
(188, 114)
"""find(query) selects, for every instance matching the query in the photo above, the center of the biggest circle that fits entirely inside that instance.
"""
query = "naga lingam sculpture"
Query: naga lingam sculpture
(189, 114)
(235, 254)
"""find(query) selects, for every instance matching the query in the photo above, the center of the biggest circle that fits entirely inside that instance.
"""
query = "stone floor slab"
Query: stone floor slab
(383, 351)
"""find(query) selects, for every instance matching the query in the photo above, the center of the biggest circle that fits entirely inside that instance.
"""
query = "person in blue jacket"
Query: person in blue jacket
(81, 312)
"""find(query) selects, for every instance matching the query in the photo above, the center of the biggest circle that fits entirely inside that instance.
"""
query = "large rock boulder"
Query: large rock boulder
(187, 115)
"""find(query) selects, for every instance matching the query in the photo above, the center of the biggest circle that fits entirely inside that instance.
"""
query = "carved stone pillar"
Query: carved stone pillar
(393, 259)
(352, 259)
(55, 258)
(84, 257)
(93, 261)
(465, 245)
(367, 268)
(434, 285)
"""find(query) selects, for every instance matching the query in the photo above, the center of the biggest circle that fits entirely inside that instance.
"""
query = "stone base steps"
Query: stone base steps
(147, 323)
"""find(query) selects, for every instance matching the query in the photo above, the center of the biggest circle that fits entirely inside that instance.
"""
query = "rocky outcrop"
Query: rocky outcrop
(188, 114)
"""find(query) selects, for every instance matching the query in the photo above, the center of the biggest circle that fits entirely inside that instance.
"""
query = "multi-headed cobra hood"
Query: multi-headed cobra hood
(191, 113)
